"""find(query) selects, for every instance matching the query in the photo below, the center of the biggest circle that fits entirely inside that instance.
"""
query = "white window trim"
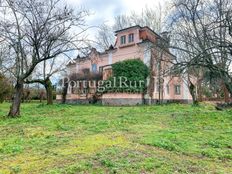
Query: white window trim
(123, 43)
(131, 39)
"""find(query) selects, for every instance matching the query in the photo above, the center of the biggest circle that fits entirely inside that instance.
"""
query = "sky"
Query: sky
(104, 11)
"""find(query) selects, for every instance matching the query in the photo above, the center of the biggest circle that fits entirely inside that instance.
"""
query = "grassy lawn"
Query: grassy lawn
(69, 139)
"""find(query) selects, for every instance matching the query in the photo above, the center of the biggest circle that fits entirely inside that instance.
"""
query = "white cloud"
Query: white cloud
(132, 5)
(105, 10)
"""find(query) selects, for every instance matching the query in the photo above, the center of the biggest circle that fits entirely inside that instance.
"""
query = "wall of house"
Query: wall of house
(146, 34)
(134, 50)
(126, 33)
(168, 80)
(72, 68)
(83, 65)
(184, 91)
(125, 53)
(103, 60)
(119, 99)
(122, 52)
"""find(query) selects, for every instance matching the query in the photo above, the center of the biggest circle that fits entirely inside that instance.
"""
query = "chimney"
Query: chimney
(166, 37)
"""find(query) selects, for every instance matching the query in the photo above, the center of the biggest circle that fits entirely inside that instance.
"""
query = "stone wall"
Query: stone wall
(119, 99)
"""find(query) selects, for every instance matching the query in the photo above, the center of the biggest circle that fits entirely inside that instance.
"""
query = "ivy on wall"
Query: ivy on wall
(128, 76)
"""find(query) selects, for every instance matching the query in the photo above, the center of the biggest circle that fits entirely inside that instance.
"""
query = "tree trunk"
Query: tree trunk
(15, 107)
(64, 93)
(192, 92)
(199, 87)
(49, 91)
(226, 93)
(228, 86)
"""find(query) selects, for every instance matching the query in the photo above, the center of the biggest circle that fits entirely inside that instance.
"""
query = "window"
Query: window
(123, 40)
(157, 87)
(131, 38)
(86, 71)
(94, 67)
(167, 88)
(158, 67)
(177, 89)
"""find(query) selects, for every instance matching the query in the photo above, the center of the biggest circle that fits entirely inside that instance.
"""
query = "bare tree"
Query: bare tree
(199, 32)
(122, 21)
(105, 37)
(4, 52)
(150, 16)
(35, 31)
(43, 74)
(229, 21)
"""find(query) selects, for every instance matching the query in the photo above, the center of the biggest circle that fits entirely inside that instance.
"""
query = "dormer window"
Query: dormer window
(131, 37)
(123, 40)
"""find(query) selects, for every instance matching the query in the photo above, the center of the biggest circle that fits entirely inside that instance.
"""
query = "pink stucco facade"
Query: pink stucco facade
(135, 43)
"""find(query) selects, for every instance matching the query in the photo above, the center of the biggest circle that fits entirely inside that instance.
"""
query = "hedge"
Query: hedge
(134, 70)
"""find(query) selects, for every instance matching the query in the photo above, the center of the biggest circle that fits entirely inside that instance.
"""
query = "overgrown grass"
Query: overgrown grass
(68, 139)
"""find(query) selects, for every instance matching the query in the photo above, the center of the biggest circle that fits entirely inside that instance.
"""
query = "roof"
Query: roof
(136, 26)
(70, 63)
(146, 27)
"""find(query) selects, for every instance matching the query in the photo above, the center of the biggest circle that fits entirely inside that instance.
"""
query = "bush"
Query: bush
(134, 71)
(5, 88)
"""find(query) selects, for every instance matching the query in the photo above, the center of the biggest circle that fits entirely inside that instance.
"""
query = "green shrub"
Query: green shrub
(134, 71)
(5, 88)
